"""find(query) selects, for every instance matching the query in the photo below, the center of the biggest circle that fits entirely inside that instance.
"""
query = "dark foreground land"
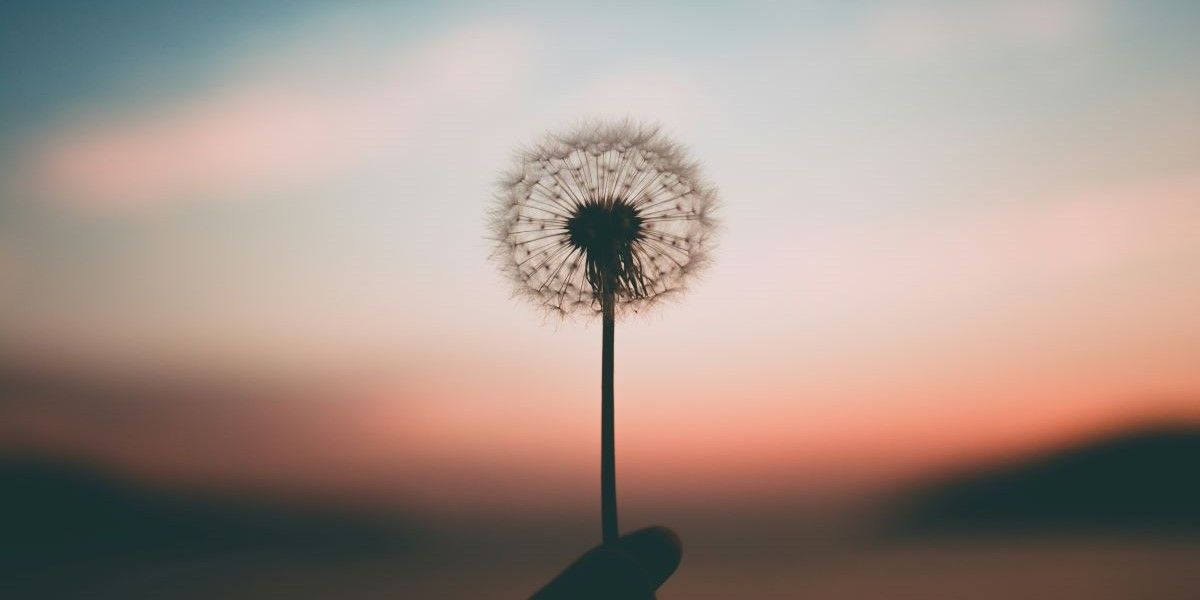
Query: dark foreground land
(1113, 519)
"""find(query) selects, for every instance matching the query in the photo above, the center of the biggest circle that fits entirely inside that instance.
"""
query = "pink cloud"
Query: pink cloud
(1042, 239)
(281, 127)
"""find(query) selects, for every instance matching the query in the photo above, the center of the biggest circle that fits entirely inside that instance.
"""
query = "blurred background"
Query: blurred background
(251, 344)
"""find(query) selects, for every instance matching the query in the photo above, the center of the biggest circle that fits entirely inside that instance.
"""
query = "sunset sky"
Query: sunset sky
(245, 245)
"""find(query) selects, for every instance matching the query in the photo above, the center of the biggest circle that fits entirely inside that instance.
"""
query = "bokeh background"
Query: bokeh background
(251, 343)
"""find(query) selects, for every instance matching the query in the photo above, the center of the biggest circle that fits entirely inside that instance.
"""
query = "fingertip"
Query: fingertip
(602, 573)
(657, 550)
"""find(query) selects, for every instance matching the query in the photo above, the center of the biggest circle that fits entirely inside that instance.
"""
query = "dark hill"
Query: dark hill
(1141, 482)
(66, 522)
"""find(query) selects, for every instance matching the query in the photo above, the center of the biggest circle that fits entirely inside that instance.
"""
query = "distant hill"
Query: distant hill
(1146, 481)
(62, 521)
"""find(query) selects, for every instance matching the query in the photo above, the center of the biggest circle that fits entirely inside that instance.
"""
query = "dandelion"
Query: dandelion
(604, 220)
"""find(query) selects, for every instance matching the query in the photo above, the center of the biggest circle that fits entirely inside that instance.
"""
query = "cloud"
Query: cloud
(963, 260)
(935, 31)
(284, 124)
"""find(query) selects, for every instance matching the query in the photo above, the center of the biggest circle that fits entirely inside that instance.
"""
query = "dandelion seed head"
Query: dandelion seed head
(606, 210)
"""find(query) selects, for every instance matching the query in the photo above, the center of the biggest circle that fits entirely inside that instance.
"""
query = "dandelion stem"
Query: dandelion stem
(608, 466)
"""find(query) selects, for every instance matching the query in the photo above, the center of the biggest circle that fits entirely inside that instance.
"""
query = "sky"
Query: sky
(245, 244)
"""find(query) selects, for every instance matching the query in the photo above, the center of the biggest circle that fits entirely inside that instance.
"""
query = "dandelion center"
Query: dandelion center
(604, 228)
(605, 233)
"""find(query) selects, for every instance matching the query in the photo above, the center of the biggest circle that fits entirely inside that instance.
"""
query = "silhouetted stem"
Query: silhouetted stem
(608, 466)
